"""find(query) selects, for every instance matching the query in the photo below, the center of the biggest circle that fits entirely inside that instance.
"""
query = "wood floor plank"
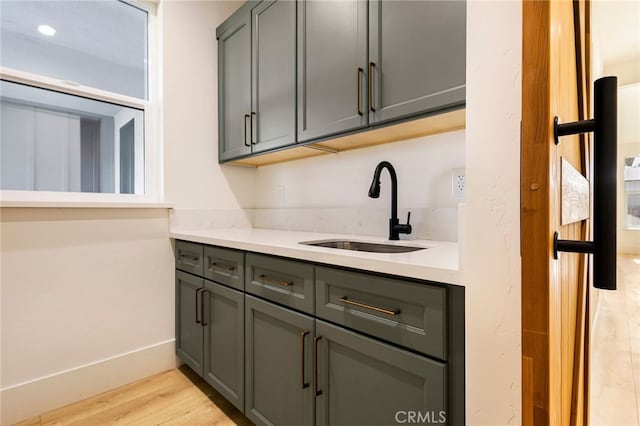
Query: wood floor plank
(175, 397)
(104, 401)
(33, 421)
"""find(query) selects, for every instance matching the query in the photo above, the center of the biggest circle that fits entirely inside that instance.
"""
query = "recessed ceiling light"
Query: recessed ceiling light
(47, 30)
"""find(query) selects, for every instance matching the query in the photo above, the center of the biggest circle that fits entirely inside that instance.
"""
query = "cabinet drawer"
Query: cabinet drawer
(406, 313)
(189, 257)
(287, 282)
(224, 266)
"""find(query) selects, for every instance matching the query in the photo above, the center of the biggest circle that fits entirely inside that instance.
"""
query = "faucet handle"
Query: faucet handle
(408, 218)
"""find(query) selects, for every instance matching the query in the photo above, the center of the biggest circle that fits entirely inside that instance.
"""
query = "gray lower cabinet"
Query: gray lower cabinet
(189, 344)
(417, 57)
(278, 344)
(332, 61)
(362, 349)
(223, 323)
(362, 381)
(210, 333)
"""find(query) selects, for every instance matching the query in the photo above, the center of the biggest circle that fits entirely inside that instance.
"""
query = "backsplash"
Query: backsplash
(210, 218)
(439, 224)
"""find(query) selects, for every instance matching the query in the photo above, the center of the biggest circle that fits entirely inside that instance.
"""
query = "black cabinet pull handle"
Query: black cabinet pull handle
(303, 334)
(251, 126)
(605, 144)
(202, 312)
(358, 73)
(316, 392)
(371, 66)
(191, 260)
(392, 312)
(222, 266)
(198, 305)
(265, 279)
(246, 116)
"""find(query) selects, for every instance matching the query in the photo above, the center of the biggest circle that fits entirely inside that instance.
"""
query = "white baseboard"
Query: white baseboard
(29, 399)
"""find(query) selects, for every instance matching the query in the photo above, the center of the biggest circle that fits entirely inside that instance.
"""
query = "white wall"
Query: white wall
(424, 167)
(193, 177)
(87, 295)
(628, 146)
(491, 224)
(330, 193)
(87, 303)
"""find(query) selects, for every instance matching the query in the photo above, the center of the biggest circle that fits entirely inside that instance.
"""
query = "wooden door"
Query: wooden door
(555, 82)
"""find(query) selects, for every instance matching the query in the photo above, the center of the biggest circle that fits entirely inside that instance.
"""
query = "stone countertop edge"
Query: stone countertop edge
(437, 263)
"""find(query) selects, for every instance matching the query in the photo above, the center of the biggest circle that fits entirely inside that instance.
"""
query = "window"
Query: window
(76, 98)
(632, 192)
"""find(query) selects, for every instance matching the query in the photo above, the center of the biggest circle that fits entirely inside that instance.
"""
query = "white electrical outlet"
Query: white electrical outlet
(458, 183)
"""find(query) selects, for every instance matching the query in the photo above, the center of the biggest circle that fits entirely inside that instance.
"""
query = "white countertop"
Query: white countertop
(438, 262)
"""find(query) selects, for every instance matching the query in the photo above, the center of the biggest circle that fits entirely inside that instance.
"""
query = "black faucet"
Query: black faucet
(395, 228)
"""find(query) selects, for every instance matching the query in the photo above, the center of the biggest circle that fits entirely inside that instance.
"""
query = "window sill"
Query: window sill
(42, 199)
(85, 205)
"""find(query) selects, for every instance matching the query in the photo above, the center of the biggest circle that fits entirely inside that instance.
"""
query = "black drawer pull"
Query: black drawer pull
(222, 266)
(268, 280)
(371, 307)
(191, 260)
(316, 392)
(302, 336)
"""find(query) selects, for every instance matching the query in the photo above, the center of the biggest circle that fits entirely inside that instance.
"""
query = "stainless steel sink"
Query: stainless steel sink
(363, 246)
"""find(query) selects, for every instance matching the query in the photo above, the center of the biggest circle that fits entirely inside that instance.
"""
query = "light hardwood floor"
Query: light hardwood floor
(175, 397)
(615, 350)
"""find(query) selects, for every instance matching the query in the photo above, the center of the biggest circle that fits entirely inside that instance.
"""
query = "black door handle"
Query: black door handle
(605, 152)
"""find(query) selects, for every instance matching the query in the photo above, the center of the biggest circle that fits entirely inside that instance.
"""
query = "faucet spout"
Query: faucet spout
(395, 228)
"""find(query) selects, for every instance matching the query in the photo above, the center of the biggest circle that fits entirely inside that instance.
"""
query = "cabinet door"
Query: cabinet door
(417, 57)
(223, 322)
(365, 382)
(274, 74)
(278, 364)
(189, 320)
(234, 87)
(332, 55)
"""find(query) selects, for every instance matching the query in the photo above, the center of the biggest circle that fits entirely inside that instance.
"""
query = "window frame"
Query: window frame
(153, 195)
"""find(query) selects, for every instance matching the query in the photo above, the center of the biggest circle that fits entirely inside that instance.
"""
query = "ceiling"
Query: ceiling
(615, 30)
(111, 30)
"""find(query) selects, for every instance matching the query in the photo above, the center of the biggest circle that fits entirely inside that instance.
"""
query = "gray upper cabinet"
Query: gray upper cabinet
(234, 85)
(189, 319)
(417, 53)
(257, 78)
(273, 74)
(332, 61)
(278, 365)
(308, 70)
(365, 382)
(223, 322)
